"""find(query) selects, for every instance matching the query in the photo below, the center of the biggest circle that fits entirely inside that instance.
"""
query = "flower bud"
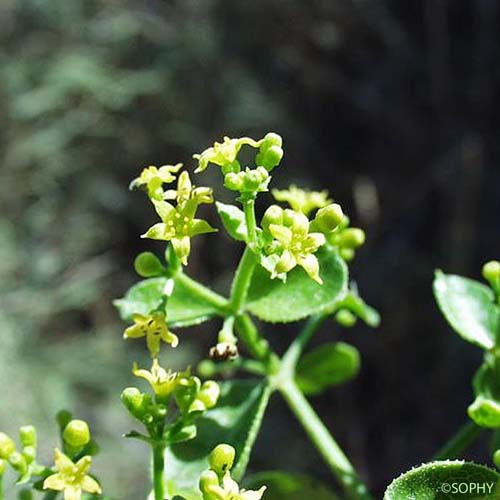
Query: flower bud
(270, 152)
(29, 453)
(346, 318)
(328, 218)
(18, 462)
(135, 401)
(352, 237)
(197, 405)
(347, 254)
(273, 215)
(222, 458)
(491, 271)
(148, 265)
(209, 393)
(496, 459)
(77, 433)
(159, 411)
(208, 479)
(27, 435)
(7, 446)
(273, 139)
(233, 181)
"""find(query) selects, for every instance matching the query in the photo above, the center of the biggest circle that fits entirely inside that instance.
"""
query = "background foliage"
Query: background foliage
(391, 105)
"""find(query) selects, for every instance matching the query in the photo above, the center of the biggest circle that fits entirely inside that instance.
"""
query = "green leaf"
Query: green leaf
(446, 481)
(278, 302)
(183, 309)
(469, 308)
(331, 364)
(286, 486)
(233, 220)
(235, 420)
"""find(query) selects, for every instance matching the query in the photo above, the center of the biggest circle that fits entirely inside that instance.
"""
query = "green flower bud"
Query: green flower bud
(76, 433)
(18, 462)
(27, 435)
(273, 139)
(222, 458)
(352, 237)
(7, 446)
(233, 181)
(254, 180)
(29, 453)
(496, 459)
(207, 368)
(209, 393)
(328, 218)
(346, 318)
(148, 265)
(135, 401)
(197, 405)
(273, 215)
(208, 479)
(159, 412)
(347, 254)
(491, 271)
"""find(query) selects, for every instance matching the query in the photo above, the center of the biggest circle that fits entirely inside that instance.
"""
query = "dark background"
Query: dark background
(391, 105)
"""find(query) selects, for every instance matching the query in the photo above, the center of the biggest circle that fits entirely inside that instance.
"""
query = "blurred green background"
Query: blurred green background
(390, 105)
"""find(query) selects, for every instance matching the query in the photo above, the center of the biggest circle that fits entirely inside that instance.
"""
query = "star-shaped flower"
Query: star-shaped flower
(162, 381)
(179, 224)
(71, 478)
(223, 153)
(301, 200)
(153, 178)
(292, 244)
(154, 328)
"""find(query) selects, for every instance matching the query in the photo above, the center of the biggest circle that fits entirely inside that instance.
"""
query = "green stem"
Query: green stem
(203, 292)
(462, 440)
(296, 348)
(242, 280)
(324, 442)
(158, 471)
(1, 487)
(249, 334)
(249, 209)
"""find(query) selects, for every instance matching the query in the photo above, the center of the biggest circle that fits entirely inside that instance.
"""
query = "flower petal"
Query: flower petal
(281, 233)
(182, 248)
(153, 343)
(200, 226)
(163, 209)
(63, 462)
(310, 265)
(159, 231)
(90, 485)
(252, 495)
(83, 465)
(54, 482)
(72, 493)
(170, 338)
(135, 332)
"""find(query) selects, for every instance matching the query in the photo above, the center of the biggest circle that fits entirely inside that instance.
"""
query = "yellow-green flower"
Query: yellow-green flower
(227, 490)
(179, 224)
(223, 153)
(154, 328)
(162, 382)
(302, 200)
(292, 243)
(71, 478)
(153, 178)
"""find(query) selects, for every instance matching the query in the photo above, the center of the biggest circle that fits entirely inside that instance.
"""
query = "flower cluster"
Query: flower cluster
(216, 483)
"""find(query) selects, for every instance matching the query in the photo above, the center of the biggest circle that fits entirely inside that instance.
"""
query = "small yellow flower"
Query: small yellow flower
(71, 478)
(223, 153)
(153, 178)
(154, 328)
(162, 382)
(301, 200)
(178, 223)
(292, 243)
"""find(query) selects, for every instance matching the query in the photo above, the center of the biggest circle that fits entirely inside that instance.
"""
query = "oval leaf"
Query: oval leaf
(286, 486)
(235, 420)
(469, 308)
(446, 480)
(233, 220)
(277, 302)
(331, 364)
(183, 309)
